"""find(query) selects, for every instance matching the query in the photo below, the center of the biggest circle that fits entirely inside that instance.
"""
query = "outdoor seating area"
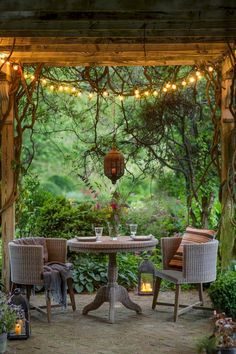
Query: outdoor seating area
(118, 177)
(150, 331)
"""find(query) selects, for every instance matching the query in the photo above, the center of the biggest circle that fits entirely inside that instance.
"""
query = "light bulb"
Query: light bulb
(184, 83)
(51, 87)
(15, 67)
(210, 68)
(44, 81)
(174, 87)
(165, 89)
(191, 79)
(73, 89)
(121, 97)
(167, 86)
(155, 93)
(136, 92)
(105, 93)
(60, 88)
(146, 93)
(198, 73)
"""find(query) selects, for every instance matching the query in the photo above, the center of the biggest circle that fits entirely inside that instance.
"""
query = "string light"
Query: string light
(105, 93)
(137, 93)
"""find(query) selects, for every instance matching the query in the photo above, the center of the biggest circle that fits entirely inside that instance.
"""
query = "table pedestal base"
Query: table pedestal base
(112, 293)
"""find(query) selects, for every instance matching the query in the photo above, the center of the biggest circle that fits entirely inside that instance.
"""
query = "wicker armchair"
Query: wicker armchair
(199, 266)
(27, 261)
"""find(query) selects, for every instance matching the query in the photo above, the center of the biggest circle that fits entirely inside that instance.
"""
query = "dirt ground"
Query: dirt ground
(151, 332)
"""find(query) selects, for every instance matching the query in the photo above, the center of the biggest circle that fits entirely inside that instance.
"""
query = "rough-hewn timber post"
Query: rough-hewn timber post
(227, 232)
(7, 158)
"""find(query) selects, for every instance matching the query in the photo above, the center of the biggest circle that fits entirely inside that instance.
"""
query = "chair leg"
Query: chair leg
(177, 293)
(156, 292)
(28, 292)
(48, 303)
(71, 293)
(200, 291)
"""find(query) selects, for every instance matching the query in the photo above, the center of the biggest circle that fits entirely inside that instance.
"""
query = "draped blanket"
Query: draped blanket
(55, 277)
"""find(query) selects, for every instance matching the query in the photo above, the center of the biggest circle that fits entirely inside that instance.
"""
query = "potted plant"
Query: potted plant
(225, 332)
(8, 317)
(223, 339)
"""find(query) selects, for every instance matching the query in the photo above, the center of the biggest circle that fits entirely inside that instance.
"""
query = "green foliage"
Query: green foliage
(8, 314)
(223, 293)
(163, 217)
(206, 345)
(90, 271)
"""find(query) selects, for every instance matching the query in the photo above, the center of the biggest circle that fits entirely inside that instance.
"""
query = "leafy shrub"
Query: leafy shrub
(90, 271)
(223, 293)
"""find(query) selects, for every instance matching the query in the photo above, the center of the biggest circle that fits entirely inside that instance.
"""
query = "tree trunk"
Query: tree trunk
(7, 174)
(228, 146)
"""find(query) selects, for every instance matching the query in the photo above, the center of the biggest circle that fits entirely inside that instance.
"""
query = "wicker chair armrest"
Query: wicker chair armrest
(199, 262)
(169, 246)
(26, 263)
(57, 249)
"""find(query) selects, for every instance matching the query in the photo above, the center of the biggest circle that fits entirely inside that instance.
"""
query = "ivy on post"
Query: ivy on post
(228, 151)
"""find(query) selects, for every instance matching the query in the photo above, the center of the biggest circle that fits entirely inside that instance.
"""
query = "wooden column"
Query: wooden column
(7, 180)
(228, 137)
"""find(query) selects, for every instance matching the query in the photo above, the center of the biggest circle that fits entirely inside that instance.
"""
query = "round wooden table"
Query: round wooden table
(112, 292)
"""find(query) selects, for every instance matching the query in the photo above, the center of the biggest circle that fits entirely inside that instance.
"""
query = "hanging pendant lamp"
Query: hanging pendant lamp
(114, 165)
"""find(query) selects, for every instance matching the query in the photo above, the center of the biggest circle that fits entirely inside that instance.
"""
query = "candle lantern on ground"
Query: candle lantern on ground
(21, 329)
(114, 165)
(146, 276)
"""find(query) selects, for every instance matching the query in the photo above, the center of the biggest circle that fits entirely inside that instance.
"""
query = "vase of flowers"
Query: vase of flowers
(115, 213)
(8, 317)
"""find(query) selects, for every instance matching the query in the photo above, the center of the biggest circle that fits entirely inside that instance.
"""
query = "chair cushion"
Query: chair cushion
(190, 236)
(40, 241)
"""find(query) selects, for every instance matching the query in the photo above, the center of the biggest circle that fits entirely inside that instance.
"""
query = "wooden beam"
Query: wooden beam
(7, 177)
(117, 5)
(77, 51)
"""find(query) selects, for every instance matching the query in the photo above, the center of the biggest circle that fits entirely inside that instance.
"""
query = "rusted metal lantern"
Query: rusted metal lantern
(21, 328)
(146, 276)
(114, 165)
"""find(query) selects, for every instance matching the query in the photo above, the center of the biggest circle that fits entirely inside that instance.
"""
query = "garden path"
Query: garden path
(152, 332)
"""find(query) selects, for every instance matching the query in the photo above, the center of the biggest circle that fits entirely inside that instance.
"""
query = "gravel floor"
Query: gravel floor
(151, 332)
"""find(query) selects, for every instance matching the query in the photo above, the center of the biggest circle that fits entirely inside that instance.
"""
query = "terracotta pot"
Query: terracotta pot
(3, 342)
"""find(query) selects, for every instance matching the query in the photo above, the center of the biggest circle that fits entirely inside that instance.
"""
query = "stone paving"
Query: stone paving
(151, 332)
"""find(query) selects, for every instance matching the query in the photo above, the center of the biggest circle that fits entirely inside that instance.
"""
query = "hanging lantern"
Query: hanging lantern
(146, 276)
(114, 165)
(21, 329)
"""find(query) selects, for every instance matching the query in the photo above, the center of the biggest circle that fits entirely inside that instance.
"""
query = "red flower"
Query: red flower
(114, 206)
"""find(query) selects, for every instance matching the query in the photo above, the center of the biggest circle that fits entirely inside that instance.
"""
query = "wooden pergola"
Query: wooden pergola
(89, 33)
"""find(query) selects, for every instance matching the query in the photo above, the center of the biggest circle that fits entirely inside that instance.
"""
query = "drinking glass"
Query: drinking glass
(133, 229)
(98, 232)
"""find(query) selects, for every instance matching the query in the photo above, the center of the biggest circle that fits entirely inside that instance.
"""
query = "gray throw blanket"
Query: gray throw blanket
(55, 277)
